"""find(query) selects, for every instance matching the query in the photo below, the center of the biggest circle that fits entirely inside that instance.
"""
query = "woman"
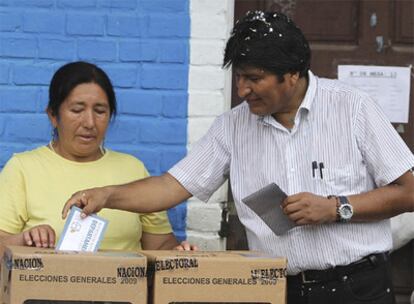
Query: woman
(35, 184)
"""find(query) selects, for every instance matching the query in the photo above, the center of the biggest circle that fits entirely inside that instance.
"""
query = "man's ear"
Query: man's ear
(52, 117)
(293, 78)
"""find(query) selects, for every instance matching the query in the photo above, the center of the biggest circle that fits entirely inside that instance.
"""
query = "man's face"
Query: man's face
(263, 91)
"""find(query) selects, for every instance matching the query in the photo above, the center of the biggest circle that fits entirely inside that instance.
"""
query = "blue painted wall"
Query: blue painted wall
(142, 44)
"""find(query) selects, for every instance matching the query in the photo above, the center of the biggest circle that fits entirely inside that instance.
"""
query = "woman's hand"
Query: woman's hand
(39, 236)
(186, 246)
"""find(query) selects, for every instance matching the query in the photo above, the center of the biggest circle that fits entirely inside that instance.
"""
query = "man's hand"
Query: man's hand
(309, 209)
(90, 201)
(186, 246)
(39, 236)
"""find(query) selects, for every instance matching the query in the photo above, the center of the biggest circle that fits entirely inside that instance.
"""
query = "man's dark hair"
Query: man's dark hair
(68, 76)
(269, 41)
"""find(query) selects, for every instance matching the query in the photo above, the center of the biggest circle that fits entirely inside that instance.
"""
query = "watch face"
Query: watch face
(346, 212)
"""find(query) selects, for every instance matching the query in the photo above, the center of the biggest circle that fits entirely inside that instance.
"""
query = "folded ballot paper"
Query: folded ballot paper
(266, 203)
(82, 234)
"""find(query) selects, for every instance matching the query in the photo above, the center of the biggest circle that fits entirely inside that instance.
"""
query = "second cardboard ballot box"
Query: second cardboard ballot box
(177, 277)
(34, 275)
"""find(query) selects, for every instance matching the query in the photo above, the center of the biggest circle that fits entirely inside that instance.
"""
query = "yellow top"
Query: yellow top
(35, 184)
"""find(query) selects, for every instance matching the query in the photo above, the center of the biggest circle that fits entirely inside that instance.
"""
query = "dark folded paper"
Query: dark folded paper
(266, 203)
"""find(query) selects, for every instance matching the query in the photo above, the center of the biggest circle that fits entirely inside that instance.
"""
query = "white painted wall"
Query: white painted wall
(209, 96)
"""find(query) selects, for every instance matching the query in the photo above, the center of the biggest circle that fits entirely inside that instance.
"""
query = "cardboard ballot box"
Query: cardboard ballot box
(34, 275)
(178, 277)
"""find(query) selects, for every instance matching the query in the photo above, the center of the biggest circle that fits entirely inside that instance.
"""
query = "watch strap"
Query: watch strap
(343, 200)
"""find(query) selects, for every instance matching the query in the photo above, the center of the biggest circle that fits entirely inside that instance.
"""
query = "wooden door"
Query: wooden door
(366, 32)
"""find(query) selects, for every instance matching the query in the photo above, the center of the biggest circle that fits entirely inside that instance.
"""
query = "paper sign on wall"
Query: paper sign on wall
(389, 86)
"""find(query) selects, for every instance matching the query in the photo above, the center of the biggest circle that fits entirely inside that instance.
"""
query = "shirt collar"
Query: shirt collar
(310, 93)
(306, 102)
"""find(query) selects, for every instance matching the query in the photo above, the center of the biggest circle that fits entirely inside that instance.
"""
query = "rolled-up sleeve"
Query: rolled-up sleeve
(206, 167)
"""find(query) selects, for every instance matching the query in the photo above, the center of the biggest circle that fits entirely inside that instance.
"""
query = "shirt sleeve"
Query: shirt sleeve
(386, 155)
(13, 215)
(206, 167)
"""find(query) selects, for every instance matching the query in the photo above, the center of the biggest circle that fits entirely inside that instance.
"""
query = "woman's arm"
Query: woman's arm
(11, 239)
(150, 241)
(38, 236)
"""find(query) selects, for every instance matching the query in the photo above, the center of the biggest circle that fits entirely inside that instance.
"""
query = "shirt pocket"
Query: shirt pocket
(334, 181)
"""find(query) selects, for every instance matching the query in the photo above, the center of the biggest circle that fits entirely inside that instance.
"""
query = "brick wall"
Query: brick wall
(142, 44)
(209, 95)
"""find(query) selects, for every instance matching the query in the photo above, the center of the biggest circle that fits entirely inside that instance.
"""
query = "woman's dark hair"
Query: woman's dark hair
(270, 41)
(68, 76)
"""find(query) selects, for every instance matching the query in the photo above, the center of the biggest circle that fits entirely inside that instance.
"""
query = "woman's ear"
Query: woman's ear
(52, 117)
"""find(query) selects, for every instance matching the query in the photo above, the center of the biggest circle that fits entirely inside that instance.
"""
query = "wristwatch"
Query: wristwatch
(344, 209)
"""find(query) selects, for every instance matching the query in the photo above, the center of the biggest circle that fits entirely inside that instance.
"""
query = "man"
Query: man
(327, 145)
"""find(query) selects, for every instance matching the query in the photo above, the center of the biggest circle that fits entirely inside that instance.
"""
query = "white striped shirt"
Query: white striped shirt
(337, 125)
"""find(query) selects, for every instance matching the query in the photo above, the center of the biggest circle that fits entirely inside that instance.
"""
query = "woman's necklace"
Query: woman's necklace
(50, 145)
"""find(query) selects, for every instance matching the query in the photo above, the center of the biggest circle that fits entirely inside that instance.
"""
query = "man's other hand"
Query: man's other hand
(305, 208)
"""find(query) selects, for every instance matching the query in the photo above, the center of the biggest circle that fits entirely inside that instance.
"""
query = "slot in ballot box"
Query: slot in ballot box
(183, 277)
(36, 275)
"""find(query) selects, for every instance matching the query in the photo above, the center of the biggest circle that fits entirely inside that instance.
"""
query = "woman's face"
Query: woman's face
(83, 119)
